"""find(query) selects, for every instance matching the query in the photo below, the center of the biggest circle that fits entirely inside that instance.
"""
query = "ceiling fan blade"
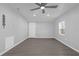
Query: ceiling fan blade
(43, 11)
(38, 4)
(51, 6)
(43, 4)
(35, 9)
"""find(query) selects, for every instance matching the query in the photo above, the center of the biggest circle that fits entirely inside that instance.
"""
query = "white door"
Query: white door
(32, 30)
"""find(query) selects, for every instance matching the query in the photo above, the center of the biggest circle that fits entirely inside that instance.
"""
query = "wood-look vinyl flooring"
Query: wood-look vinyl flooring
(41, 47)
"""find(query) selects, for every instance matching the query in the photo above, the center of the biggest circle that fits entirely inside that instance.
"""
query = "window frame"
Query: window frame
(61, 28)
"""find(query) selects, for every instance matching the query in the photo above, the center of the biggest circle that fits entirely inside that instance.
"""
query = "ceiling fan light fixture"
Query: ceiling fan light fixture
(42, 7)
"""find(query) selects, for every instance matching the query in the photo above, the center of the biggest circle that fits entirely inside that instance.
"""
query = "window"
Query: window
(62, 28)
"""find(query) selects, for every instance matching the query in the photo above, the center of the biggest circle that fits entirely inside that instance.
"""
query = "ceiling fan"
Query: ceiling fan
(42, 6)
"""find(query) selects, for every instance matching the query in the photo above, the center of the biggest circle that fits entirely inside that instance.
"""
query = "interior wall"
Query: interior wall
(15, 30)
(44, 30)
(71, 37)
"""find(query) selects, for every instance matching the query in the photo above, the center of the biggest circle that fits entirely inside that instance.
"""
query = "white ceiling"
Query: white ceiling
(24, 9)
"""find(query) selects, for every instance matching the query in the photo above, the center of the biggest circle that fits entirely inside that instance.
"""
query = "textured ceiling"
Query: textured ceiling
(24, 9)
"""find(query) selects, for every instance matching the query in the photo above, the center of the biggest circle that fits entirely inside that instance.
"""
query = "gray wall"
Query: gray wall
(44, 30)
(16, 27)
(71, 37)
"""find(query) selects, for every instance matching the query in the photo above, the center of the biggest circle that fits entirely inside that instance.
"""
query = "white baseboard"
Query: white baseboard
(40, 37)
(12, 47)
(68, 45)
